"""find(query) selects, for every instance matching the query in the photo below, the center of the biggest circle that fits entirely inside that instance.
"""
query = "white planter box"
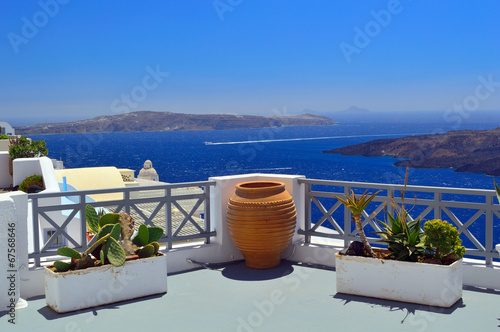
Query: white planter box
(74, 290)
(429, 284)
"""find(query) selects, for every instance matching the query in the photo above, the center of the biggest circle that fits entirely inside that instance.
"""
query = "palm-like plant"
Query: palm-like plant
(497, 190)
(357, 204)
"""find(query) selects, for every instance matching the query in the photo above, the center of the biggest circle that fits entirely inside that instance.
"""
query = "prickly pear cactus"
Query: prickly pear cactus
(85, 262)
(146, 251)
(114, 252)
(127, 224)
(63, 266)
(68, 252)
(109, 219)
(92, 218)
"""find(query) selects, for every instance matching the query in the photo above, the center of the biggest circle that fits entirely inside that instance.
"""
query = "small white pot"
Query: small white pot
(429, 284)
(74, 290)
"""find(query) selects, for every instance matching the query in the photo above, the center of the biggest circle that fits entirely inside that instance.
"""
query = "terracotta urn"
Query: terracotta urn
(261, 218)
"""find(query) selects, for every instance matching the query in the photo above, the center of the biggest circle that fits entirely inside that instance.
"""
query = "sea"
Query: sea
(186, 156)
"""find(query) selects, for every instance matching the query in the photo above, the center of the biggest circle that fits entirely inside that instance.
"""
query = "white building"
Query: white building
(148, 172)
(6, 129)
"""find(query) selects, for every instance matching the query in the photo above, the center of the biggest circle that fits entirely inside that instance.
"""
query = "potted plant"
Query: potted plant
(116, 267)
(97, 219)
(22, 147)
(423, 267)
(32, 184)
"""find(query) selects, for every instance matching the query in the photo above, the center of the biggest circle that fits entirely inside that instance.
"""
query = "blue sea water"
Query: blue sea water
(184, 156)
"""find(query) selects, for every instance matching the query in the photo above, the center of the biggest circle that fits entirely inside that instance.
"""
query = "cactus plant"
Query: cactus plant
(108, 247)
(110, 251)
(147, 238)
(95, 220)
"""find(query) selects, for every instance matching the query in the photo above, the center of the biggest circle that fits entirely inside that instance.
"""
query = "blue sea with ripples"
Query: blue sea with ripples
(185, 156)
(182, 156)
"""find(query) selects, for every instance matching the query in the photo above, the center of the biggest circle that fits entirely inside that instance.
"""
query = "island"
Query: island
(475, 151)
(168, 121)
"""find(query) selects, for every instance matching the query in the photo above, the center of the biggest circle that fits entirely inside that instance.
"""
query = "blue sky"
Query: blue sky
(80, 59)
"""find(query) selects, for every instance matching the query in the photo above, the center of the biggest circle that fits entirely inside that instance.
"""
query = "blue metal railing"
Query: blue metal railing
(472, 211)
(162, 200)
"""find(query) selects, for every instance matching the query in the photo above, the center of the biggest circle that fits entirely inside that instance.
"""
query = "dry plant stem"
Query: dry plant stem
(359, 227)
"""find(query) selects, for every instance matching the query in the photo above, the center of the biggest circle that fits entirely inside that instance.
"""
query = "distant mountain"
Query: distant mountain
(465, 150)
(168, 121)
(355, 109)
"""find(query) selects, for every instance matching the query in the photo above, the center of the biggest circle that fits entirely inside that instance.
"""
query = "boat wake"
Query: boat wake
(301, 139)
(268, 169)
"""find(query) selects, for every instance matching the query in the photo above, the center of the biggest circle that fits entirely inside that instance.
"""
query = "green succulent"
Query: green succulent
(357, 204)
(497, 190)
(403, 237)
(147, 240)
(107, 240)
(443, 239)
(107, 245)
(95, 220)
(31, 180)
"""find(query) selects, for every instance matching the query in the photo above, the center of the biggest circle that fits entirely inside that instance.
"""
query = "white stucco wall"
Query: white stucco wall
(24, 167)
(6, 129)
(14, 258)
(4, 145)
(225, 188)
(5, 177)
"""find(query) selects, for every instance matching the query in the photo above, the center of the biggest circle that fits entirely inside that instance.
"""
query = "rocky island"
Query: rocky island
(168, 121)
(465, 150)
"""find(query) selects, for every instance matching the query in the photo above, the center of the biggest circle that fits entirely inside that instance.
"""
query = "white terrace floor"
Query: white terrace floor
(292, 297)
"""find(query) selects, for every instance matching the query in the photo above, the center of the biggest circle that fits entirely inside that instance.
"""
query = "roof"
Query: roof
(93, 178)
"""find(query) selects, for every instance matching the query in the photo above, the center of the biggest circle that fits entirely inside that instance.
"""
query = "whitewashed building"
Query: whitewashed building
(148, 172)
(6, 129)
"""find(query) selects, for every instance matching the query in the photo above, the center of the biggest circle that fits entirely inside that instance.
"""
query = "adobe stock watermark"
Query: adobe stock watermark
(139, 93)
(253, 146)
(223, 6)
(126, 103)
(266, 307)
(105, 295)
(30, 27)
(471, 103)
(423, 317)
(372, 29)
(455, 116)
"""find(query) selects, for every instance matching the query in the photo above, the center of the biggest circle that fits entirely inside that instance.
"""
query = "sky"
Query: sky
(63, 59)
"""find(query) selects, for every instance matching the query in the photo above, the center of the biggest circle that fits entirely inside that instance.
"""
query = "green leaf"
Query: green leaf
(142, 236)
(68, 252)
(157, 247)
(497, 190)
(115, 253)
(104, 231)
(63, 266)
(115, 232)
(109, 218)
(92, 218)
(146, 251)
(95, 246)
(155, 233)
(102, 255)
